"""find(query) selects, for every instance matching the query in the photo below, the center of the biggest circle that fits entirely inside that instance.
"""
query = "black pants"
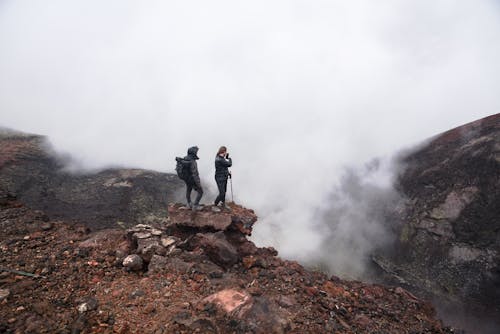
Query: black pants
(222, 185)
(198, 189)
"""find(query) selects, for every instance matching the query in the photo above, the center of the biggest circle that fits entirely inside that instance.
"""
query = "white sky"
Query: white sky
(295, 89)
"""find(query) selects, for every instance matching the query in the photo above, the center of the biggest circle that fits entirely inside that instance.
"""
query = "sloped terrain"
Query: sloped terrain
(35, 175)
(449, 239)
(195, 272)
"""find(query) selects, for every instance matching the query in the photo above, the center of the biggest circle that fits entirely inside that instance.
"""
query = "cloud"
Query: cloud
(297, 90)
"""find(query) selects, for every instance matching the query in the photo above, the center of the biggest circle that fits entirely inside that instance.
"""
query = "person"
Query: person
(222, 162)
(193, 181)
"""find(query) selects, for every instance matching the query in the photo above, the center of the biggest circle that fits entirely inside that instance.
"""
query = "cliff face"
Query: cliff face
(449, 239)
(36, 177)
(195, 272)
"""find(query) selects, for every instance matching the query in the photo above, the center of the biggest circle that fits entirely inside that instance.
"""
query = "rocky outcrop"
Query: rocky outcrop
(30, 171)
(186, 275)
(449, 239)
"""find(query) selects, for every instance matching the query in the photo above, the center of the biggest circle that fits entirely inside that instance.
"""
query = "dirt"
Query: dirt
(187, 282)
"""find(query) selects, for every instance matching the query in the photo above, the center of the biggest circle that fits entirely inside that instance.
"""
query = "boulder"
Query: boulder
(239, 219)
(216, 247)
(133, 262)
(255, 314)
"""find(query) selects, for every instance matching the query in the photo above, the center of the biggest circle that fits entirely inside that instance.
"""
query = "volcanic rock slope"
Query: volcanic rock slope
(449, 242)
(193, 273)
(30, 172)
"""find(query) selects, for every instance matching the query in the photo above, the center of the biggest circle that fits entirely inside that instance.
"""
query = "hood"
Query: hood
(193, 151)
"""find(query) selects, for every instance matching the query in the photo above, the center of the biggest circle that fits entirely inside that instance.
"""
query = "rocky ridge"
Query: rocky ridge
(194, 272)
(33, 173)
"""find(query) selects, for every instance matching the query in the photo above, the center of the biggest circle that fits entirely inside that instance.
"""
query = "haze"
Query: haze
(297, 90)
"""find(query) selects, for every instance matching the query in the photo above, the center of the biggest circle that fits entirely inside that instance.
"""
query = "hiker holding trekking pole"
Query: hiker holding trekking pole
(222, 163)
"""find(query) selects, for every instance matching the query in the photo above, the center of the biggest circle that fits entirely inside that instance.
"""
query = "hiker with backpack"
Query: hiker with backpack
(222, 162)
(187, 170)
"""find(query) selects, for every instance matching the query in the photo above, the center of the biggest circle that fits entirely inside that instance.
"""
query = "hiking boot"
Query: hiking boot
(216, 209)
(189, 205)
(197, 207)
(226, 207)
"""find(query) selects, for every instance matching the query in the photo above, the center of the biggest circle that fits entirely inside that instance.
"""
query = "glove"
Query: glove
(227, 155)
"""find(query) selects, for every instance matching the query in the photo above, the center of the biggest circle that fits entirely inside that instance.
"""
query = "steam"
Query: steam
(298, 91)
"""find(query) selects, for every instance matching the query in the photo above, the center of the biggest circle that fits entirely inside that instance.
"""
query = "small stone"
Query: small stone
(286, 301)
(89, 305)
(143, 226)
(46, 226)
(133, 262)
(20, 309)
(4, 293)
(156, 232)
(137, 293)
(26, 237)
(142, 235)
(167, 241)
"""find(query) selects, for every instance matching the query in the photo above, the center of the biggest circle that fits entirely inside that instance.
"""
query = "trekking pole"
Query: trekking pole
(231, 181)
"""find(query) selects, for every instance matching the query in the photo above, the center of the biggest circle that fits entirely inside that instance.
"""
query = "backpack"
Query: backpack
(182, 168)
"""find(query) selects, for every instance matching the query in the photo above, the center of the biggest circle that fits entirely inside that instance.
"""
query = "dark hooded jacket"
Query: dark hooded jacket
(221, 167)
(191, 158)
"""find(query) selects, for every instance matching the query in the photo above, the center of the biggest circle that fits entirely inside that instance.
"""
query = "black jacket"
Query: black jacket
(194, 178)
(221, 165)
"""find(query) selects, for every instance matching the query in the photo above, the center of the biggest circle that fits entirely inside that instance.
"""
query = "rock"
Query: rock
(195, 324)
(217, 248)
(286, 301)
(46, 226)
(229, 300)
(156, 232)
(210, 269)
(240, 219)
(137, 293)
(147, 247)
(202, 219)
(161, 264)
(258, 313)
(177, 265)
(4, 294)
(142, 235)
(133, 262)
(157, 264)
(168, 241)
(89, 304)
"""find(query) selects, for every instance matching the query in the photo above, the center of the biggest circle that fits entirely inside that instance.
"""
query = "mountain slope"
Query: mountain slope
(30, 172)
(449, 241)
(196, 272)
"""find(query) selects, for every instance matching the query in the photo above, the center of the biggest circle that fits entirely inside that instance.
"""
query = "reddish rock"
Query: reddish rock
(239, 219)
(229, 300)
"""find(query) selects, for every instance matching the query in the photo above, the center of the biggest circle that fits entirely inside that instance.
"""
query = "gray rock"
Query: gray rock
(157, 264)
(142, 235)
(148, 247)
(217, 248)
(133, 262)
(89, 304)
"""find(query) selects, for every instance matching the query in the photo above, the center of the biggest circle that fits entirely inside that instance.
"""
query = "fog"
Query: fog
(299, 92)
